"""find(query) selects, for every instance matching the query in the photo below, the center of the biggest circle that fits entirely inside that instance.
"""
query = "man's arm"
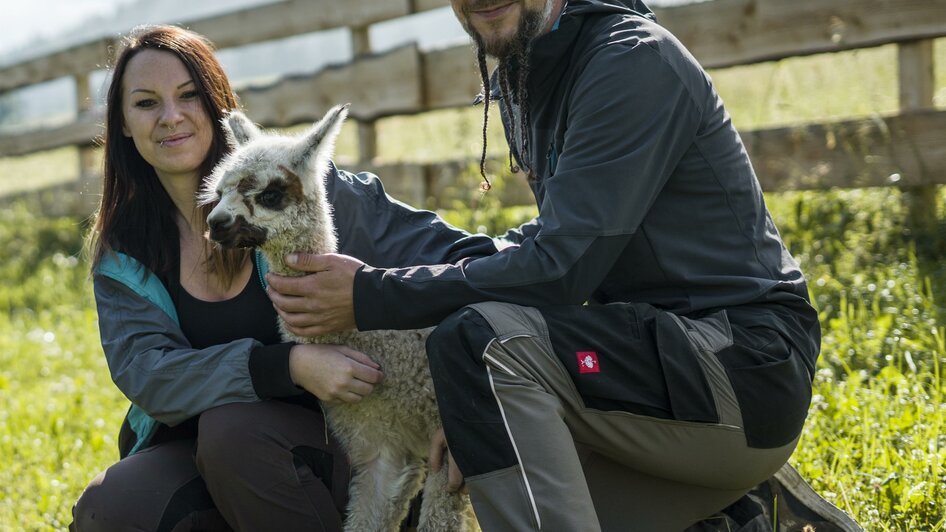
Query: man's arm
(631, 119)
(380, 230)
(518, 235)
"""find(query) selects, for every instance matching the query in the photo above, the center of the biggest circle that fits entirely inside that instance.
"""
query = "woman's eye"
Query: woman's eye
(269, 198)
(145, 104)
(189, 95)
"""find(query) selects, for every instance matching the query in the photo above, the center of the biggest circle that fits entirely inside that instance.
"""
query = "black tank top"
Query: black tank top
(249, 314)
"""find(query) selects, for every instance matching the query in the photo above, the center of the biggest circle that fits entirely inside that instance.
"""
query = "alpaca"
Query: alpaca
(270, 193)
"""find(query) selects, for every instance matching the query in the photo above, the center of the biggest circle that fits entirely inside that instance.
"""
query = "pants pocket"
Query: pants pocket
(774, 399)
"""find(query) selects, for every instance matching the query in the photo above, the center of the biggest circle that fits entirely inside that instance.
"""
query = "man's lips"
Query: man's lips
(492, 12)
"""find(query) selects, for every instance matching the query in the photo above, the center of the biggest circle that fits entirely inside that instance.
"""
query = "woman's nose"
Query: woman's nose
(171, 115)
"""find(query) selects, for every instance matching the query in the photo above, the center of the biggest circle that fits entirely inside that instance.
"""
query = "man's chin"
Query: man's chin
(497, 44)
(503, 40)
(497, 48)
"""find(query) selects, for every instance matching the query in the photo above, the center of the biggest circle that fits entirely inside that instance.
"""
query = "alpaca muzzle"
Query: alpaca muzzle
(236, 232)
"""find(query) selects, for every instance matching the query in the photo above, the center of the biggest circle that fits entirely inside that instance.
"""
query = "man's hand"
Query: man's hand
(333, 372)
(320, 303)
(440, 452)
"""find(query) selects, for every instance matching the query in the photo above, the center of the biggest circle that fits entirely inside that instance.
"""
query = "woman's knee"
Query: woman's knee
(229, 438)
(246, 440)
(270, 457)
(138, 492)
(93, 505)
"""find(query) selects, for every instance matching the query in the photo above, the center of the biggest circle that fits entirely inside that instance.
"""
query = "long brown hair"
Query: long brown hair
(136, 215)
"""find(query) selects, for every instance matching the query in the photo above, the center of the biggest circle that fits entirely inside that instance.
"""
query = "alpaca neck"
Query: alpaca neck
(303, 240)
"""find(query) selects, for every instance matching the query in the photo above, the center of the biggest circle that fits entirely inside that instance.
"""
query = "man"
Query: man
(686, 379)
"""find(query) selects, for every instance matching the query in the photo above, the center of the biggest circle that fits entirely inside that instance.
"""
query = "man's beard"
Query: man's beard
(512, 73)
(531, 24)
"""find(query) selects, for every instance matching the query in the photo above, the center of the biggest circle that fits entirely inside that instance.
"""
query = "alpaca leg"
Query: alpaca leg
(442, 510)
(380, 493)
(406, 484)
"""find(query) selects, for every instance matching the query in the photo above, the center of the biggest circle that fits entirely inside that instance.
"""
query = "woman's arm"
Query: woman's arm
(154, 365)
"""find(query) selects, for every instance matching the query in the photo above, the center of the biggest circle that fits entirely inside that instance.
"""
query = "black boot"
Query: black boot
(785, 499)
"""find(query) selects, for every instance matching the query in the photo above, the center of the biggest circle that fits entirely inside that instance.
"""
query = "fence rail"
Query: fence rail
(905, 150)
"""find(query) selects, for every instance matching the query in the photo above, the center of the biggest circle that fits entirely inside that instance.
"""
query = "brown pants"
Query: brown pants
(253, 466)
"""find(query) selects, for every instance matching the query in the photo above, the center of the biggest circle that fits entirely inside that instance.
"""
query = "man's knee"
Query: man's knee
(468, 408)
(455, 348)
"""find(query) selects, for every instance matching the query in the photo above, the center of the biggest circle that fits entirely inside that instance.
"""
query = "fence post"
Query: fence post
(367, 132)
(917, 86)
(89, 173)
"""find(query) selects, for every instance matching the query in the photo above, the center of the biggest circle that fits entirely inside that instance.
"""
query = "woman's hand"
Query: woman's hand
(439, 452)
(333, 372)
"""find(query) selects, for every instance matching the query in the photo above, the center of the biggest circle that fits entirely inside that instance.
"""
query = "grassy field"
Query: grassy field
(875, 442)
(876, 439)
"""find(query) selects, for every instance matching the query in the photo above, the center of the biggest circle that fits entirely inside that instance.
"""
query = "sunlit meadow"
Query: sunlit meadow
(875, 443)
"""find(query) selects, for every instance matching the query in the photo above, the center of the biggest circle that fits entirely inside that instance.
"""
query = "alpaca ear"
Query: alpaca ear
(316, 146)
(239, 129)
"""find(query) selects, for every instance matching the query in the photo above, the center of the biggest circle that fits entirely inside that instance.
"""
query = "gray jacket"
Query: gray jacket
(644, 188)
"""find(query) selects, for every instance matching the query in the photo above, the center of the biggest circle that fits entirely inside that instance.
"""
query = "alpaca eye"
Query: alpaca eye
(269, 198)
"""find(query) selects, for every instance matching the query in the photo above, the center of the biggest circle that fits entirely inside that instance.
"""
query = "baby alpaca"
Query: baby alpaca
(270, 194)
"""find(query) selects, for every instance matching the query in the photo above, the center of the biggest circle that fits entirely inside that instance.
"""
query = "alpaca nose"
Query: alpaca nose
(219, 224)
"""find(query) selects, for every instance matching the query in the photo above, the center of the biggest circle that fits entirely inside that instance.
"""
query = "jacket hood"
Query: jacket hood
(555, 43)
(634, 7)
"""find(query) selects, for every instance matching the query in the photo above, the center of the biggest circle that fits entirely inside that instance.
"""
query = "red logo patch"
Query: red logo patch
(588, 362)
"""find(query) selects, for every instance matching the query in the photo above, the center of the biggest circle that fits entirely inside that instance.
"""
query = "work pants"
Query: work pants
(268, 465)
(612, 417)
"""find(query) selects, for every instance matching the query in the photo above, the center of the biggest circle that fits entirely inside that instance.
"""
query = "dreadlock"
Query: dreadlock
(503, 78)
(512, 74)
(484, 77)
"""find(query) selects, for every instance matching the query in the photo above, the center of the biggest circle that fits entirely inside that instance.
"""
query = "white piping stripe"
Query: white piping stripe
(504, 340)
(512, 440)
(498, 363)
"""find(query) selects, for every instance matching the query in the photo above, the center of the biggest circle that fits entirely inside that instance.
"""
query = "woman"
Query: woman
(225, 428)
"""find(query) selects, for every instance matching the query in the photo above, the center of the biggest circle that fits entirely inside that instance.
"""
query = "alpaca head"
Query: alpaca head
(270, 187)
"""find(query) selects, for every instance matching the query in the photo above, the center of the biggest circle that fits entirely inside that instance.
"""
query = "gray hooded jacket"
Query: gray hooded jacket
(645, 193)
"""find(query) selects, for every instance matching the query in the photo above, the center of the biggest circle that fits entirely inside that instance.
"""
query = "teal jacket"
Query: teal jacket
(168, 381)
(129, 273)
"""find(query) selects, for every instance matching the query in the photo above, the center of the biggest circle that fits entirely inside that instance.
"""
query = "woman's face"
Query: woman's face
(164, 116)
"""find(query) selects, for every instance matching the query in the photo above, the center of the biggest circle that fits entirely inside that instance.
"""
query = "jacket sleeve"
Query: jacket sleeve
(384, 232)
(518, 235)
(630, 120)
(153, 364)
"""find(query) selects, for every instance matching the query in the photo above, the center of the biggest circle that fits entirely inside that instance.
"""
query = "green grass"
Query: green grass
(41, 170)
(58, 409)
(875, 442)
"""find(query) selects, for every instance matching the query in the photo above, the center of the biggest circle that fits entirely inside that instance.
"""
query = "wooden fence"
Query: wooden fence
(907, 149)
